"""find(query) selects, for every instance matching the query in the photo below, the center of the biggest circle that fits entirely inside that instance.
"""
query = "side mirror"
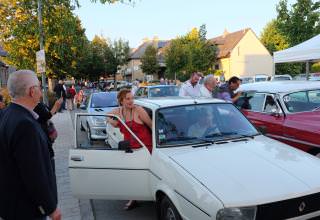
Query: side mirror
(83, 107)
(125, 146)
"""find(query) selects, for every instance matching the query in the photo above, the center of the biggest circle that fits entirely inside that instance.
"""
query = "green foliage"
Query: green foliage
(64, 36)
(315, 68)
(301, 22)
(188, 54)
(102, 57)
(149, 62)
(272, 39)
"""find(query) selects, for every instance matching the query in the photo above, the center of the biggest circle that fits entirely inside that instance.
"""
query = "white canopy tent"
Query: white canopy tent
(307, 51)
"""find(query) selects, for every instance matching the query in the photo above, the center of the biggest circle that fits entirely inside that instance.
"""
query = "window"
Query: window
(252, 102)
(302, 101)
(270, 105)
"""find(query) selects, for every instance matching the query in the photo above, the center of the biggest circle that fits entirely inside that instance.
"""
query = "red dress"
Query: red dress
(140, 130)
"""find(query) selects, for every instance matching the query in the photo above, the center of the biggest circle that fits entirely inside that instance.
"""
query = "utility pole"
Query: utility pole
(43, 73)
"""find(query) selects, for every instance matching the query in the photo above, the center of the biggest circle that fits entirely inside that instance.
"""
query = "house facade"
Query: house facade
(242, 54)
(133, 71)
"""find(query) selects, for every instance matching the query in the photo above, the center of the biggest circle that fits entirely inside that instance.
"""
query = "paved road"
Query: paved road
(113, 210)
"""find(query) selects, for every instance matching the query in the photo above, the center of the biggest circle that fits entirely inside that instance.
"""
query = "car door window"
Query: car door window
(270, 105)
(251, 102)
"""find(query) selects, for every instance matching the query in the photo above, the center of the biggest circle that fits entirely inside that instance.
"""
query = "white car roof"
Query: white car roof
(161, 102)
(280, 86)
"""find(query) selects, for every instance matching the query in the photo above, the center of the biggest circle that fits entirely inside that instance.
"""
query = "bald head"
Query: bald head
(20, 81)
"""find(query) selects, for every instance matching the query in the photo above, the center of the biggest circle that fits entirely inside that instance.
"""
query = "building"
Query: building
(241, 53)
(133, 70)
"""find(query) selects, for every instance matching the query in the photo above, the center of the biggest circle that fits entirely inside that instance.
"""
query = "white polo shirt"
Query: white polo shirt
(188, 90)
(204, 92)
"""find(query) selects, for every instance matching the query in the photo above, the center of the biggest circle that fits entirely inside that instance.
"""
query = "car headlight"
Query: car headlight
(244, 213)
(98, 121)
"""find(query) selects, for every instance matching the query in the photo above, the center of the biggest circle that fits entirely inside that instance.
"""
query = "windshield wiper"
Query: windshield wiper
(184, 138)
(223, 134)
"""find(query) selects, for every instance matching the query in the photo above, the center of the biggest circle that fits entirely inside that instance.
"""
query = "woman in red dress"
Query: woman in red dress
(139, 122)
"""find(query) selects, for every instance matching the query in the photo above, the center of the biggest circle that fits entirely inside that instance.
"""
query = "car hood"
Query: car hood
(251, 172)
(100, 110)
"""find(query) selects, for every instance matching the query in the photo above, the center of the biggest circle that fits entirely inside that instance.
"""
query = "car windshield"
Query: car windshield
(104, 100)
(164, 91)
(280, 78)
(302, 101)
(198, 123)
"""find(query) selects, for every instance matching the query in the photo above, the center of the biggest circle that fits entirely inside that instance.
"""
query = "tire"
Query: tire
(168, 211)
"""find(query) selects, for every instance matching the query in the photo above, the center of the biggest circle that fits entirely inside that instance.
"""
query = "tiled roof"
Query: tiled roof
(2, 52)
(138, 53)
(228, 41)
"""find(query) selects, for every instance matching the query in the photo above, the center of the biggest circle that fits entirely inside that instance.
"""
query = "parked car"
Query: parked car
(97, 103)
(287, 111)
(221, 168)
(247, 79)
(281, 77)
(261, 78)
(157, 91)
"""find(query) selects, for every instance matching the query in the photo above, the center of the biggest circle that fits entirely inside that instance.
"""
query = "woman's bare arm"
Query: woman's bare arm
(113, 122)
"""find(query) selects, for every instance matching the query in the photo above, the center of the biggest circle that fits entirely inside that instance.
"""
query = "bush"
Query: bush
(315, 68)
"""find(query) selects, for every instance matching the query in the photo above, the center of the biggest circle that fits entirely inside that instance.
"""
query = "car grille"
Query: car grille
(289, 208)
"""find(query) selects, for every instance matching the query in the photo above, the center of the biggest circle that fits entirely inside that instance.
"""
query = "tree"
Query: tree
(301, 22)
(66, 45)
(188, 54)
(273, 40)
(64, 36)
(149, 61)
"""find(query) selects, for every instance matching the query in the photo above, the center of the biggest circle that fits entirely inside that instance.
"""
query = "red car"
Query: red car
(288, 111)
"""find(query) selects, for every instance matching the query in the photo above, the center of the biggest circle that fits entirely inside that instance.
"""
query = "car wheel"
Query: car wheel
(168, 210)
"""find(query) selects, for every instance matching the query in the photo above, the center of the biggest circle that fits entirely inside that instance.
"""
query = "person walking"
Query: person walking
(209, 85)
(60, 92)
(70, 94)
(27, 186)
(191, 87)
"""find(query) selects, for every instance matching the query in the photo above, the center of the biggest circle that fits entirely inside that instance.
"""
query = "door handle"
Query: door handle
(77, 158)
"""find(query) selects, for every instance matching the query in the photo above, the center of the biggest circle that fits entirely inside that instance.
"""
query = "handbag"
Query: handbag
(52, 131)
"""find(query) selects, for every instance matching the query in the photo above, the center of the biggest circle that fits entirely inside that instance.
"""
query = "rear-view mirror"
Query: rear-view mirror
(125, 146)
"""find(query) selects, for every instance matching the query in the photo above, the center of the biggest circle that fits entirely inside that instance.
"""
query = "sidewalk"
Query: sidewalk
(69, 205)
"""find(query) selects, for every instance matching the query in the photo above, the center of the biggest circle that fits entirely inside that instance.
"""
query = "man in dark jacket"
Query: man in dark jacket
(60, 91)
(27, 186)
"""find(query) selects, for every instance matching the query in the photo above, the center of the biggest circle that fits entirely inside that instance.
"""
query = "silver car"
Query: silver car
(98, 103)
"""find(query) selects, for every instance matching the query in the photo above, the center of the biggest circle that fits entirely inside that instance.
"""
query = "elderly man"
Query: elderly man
(27, 186)
(209, 84)
(191, 86)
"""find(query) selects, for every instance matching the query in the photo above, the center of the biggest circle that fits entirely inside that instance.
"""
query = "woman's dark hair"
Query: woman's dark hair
(122, 94)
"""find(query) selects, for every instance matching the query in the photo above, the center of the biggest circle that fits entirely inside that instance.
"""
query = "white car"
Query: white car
(281, 77)
(208, 162)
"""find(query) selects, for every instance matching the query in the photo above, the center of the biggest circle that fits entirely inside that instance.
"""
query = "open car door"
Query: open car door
(99, 171)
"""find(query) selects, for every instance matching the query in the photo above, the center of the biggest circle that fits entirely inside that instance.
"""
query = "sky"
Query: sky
(167, 19)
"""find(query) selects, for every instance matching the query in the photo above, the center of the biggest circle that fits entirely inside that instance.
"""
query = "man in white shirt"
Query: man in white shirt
(191, 86)
(209, 84)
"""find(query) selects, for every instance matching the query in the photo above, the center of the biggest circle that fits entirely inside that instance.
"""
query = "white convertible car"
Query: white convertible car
(208, 163)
